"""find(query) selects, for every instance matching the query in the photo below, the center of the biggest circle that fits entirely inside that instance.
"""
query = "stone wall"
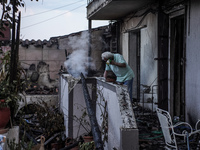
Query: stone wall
(54, 51)
(51, 55)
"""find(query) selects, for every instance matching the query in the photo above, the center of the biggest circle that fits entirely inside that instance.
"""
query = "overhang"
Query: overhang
(114, 9)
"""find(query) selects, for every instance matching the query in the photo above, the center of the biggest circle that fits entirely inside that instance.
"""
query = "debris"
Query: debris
(38, 123)
(150, 132)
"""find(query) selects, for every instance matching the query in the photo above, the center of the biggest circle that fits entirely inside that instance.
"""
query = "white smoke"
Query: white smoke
(78, 61)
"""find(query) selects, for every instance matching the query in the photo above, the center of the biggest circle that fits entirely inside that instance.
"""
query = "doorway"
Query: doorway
(134, 62)
(177, 66)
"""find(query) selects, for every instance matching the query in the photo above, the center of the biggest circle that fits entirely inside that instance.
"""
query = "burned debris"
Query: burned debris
(40, 120)
(94, 125)
(151, 135)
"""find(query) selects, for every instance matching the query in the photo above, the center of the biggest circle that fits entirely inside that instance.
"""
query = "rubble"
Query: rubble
(150, 134)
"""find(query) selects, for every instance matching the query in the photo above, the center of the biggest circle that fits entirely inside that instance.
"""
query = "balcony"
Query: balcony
(113, 9)
(114, 112)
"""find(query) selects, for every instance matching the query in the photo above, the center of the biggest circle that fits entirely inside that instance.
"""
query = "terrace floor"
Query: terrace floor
(150, 133)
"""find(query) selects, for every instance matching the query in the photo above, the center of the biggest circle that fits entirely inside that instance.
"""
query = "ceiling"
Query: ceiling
(116, 9)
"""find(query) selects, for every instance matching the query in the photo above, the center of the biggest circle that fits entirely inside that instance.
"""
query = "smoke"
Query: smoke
(78, 61)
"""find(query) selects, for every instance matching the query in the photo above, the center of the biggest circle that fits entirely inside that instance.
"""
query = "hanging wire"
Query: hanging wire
(51, 10)
(51, 18)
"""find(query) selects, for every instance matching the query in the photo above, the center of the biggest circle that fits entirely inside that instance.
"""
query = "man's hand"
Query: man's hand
(108, 62)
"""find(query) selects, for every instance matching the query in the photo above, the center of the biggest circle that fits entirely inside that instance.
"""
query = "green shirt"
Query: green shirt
(123, 73)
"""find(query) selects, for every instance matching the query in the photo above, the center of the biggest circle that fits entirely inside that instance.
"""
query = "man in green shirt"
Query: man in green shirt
(120, 68)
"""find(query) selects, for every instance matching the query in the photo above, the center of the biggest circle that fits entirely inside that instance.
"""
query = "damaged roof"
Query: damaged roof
(38, 43)
(54, 40)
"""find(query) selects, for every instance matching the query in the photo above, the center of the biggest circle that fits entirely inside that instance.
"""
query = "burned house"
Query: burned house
(159, 39)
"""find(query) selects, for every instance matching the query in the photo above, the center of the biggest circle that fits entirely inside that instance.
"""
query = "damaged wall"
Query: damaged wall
(192, 62)
(147, 48)
(120, 116)
(51, 55)
(55, 51)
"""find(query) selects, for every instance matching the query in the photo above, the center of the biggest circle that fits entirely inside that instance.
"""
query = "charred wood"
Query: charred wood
(94, 125)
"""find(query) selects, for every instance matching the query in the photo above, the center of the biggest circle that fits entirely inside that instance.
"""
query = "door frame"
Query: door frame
(171, 106)
(135, 64)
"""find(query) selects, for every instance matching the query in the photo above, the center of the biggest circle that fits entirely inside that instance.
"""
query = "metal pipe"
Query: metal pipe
(16, 54)
(91, 113)
(12, 74)
(89, 47)
(152, 98)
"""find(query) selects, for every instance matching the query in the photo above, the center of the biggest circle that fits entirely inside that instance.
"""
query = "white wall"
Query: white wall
(125, 46)
(149, 51)
(120, 116)
(113, 114)
(64, 100)
(120, 124)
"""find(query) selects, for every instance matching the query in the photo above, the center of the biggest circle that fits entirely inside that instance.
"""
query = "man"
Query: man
(123, 72)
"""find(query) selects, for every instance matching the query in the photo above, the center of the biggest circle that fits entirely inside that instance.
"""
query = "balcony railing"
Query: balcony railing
(114, 112)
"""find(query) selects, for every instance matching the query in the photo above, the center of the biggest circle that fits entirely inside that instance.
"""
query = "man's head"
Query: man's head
(107, 55)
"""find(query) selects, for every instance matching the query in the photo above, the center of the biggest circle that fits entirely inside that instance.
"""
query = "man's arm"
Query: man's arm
(108, 78)
(118, 64)
(105, 74)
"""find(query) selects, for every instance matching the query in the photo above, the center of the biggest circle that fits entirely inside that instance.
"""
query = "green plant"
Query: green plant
(10, 70)
(6, 8)
(87, 146)
(9, 91)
